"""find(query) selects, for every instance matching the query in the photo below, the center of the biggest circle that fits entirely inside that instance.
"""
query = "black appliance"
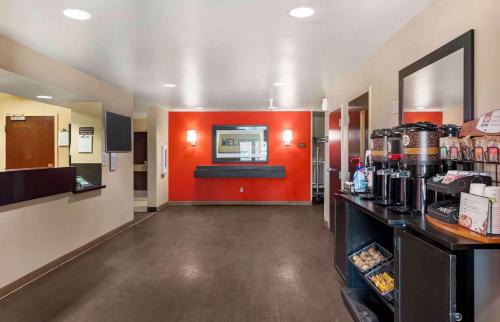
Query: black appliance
(421, 158)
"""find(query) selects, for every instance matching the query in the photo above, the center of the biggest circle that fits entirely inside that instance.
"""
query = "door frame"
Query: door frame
(326, 173)
(344, 107)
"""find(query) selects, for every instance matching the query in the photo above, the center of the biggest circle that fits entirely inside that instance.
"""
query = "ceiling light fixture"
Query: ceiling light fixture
(45, 97)
(301, 12)
(170, 85)
(271, 104)
(278, 84)
(77, 14)
(420, 108)
(324, 104)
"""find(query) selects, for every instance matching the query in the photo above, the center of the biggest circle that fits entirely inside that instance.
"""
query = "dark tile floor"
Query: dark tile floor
(204, 263)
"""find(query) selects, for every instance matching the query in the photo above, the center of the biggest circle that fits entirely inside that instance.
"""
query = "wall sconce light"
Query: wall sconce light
(287, 137)
(191, 137)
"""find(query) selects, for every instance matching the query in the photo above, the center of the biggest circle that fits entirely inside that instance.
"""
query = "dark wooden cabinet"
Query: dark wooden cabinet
(340, 237)
(425, 280)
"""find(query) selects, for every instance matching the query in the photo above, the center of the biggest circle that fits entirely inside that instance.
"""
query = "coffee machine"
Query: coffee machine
(421, 158)
(380, 146)
(402, 194)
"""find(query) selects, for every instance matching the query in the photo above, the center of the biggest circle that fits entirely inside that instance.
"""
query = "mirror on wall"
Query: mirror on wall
(46, 127)
(439, 87)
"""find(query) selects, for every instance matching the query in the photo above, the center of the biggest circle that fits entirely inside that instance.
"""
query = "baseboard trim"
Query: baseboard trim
(58, 262)
(240, 203)
(155, 209)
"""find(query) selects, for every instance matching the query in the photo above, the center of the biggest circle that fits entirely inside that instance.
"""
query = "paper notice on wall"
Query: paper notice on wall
(63, 138)
(85, 143)
(113, 161)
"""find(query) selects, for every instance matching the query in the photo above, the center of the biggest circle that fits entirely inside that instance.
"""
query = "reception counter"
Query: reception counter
(438, 276)
(27, 184)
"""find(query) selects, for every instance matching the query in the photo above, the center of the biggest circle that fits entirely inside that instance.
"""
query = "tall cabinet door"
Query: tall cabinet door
(425, 280)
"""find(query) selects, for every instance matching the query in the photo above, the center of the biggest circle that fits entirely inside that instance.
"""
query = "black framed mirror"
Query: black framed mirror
(439, 87)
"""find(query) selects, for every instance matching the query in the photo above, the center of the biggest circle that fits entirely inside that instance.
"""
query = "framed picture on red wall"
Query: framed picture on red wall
(240, 143)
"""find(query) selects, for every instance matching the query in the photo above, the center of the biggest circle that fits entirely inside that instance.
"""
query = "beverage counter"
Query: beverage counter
(438, 276)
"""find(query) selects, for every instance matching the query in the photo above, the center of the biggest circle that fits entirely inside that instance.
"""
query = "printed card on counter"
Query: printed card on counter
(474, 211)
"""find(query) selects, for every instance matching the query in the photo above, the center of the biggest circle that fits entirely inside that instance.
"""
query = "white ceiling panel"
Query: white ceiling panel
(219, 53)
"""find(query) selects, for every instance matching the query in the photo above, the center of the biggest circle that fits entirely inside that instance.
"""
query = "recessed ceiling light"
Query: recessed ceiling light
(170, 85)
(301, 12)
(45, 97)
(420, 108)
(279, 84)
(76, 14)
(199, 108)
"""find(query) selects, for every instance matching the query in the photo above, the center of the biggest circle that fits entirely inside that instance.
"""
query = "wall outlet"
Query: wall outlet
(241, 189)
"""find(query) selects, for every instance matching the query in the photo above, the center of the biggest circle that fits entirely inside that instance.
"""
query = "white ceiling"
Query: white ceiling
(220, 53)
(21, 86)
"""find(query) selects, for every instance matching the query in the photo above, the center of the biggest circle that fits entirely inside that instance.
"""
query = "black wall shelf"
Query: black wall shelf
(275, 171)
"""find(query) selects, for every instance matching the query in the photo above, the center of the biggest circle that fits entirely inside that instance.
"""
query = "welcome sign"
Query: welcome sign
(240, 143)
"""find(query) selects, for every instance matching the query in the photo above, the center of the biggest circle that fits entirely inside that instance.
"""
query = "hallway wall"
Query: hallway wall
(183, 158)
(36, 232)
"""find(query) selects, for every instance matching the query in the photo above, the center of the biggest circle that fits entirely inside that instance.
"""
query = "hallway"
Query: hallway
(197, 263)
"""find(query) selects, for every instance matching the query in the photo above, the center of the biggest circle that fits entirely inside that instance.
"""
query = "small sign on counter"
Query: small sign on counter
(474, 212)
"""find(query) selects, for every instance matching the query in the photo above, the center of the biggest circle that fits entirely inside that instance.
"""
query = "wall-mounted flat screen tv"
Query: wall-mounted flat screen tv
(118, 132)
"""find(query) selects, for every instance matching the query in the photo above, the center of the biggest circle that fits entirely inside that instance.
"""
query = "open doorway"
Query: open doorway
(140, 166)
(318, 157)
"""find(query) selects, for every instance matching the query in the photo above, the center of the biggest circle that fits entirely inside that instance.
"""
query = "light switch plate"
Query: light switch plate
(395, 107)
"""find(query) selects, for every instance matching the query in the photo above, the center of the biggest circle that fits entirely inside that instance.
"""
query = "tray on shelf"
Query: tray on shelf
(385, 268)
(450, 217)
(458, 185)
(384, 252)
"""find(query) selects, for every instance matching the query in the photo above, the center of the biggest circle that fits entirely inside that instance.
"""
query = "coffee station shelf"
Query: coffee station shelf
(464, 232)
(380, 213)
(418, 223)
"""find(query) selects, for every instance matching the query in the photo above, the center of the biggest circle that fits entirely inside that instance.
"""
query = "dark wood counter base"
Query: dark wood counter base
(438, 276)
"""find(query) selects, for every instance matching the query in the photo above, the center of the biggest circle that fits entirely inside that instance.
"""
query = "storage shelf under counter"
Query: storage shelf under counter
(439, 276)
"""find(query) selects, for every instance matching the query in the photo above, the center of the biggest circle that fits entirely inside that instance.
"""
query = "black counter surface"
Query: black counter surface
(416, 223)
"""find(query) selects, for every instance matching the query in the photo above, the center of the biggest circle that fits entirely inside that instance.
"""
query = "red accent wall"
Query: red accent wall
(183, 158)
(413, 117)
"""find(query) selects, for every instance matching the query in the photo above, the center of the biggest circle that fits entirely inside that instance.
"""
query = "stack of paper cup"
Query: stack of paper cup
(494, 194)
(477, 189)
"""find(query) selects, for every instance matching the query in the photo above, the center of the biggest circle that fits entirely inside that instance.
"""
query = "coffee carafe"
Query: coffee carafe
(379, 146)
(421, 158)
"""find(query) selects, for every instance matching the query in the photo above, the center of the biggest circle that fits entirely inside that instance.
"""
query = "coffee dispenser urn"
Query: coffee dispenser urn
(379, 146)
(421, 158)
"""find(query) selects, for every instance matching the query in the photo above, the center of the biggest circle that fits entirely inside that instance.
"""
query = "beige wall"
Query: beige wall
(10, 105)
(439, 23)
(140, 125)
(86, 114)
(36, 232)
(157, 136)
